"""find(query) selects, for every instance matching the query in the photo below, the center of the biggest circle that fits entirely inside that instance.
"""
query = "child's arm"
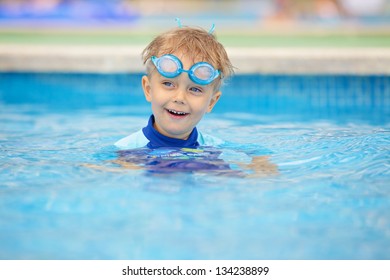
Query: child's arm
(123, 166)
(127, 164)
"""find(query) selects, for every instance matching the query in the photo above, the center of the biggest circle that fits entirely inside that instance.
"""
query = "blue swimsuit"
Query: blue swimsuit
(159, 153)
(157, 140)
(151, 138)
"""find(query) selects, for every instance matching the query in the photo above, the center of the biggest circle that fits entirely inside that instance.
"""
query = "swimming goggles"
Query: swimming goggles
(169, 66)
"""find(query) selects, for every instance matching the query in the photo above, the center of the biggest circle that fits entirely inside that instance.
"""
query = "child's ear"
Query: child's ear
(146, 87)
(214, 100)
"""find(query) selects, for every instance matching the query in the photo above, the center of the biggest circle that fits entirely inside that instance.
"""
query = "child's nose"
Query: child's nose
(180, 96)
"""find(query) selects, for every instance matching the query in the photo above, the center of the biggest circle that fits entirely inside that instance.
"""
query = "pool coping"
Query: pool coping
(127, 59)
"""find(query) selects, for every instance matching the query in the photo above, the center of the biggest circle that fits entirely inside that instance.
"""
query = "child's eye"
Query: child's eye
(167, 84)
(196, 90)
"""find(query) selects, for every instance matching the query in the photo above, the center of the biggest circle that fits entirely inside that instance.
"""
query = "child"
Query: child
(185, 68)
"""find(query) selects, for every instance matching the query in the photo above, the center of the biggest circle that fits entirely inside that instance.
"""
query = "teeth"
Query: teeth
(176, 112)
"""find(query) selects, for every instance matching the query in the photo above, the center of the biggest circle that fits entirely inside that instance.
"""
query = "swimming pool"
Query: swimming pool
(329, 136)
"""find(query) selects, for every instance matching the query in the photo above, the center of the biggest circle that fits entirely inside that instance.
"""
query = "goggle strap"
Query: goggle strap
(212, 29)
(178, 22)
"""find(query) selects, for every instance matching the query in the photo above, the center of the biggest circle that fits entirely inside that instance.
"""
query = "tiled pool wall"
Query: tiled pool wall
(314, 96)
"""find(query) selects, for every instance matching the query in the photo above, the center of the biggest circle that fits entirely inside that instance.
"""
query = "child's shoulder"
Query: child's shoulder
(208, 140)
(133, 141)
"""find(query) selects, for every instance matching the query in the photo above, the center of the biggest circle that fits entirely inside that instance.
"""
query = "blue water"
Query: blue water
(329, 137)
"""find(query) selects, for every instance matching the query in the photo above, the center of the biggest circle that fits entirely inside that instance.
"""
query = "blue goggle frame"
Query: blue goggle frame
(192, 72)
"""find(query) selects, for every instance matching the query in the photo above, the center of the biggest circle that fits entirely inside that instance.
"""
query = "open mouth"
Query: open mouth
(177, 113)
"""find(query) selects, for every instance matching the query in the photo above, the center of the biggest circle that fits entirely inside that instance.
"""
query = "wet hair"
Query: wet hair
(195, 43)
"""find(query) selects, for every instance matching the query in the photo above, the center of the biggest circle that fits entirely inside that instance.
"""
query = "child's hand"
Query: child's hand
(261, 167)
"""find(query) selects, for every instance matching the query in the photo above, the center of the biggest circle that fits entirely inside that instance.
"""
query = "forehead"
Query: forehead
(186, 59)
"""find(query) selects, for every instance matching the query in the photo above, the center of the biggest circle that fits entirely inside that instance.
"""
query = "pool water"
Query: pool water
(328, 135)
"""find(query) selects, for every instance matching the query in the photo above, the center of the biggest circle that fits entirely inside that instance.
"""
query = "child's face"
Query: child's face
(178, 104)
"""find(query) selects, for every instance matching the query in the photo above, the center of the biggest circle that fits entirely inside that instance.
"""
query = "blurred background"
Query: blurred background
(249, 23)
(236, 14)
(252, 11)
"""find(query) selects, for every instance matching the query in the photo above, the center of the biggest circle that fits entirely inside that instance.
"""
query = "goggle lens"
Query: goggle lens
(204, 72)
(170, 66)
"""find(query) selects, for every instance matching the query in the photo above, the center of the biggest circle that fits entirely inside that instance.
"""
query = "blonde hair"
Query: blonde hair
(195, 43)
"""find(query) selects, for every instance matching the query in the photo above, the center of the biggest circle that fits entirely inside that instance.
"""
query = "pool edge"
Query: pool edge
(127, 59)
